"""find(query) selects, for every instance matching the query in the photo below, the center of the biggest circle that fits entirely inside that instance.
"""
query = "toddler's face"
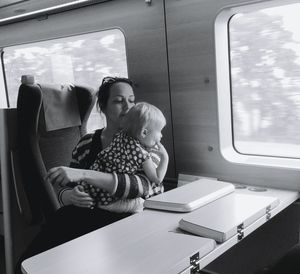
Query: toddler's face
(153, 136)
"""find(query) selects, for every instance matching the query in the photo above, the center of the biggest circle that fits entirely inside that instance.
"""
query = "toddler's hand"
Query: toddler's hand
(160, 150)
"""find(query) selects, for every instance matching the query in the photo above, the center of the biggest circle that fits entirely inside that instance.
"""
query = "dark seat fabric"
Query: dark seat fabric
(40, 149)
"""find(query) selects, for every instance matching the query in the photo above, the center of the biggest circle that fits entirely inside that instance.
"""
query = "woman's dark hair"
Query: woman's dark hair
(104, 89)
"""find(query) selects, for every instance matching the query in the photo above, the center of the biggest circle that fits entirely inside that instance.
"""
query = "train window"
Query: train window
(82, 59)
(260, 84)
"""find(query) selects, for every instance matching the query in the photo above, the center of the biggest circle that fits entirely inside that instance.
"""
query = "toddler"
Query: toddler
(136, 148)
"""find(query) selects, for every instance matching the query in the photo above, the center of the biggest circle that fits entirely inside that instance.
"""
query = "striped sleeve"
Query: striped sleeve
(135, 186)
(81, 151)
(138, 185)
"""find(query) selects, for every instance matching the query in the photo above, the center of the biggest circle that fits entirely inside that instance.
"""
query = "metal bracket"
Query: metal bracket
(194, 263)
(268, 213)
(240, 231)
(148, 2)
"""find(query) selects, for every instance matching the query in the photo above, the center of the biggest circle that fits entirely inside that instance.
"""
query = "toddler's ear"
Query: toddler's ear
(144, 132)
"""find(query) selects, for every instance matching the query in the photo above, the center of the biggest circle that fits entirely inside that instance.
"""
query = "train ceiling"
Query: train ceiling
(16, 10)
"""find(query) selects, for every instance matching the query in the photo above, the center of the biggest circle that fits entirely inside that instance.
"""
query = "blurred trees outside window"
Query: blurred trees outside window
(265, 81)
(82, 59)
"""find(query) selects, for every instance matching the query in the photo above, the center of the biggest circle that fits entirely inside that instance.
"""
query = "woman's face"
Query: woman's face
(120, 100)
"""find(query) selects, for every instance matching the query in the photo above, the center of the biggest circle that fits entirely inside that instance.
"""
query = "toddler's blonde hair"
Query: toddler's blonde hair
(142, 115)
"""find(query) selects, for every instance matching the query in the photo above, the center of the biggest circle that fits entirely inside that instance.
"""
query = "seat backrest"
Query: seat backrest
(16, 211)
(51, 119)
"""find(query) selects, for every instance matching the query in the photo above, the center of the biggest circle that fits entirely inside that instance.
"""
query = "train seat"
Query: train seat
(51, 120)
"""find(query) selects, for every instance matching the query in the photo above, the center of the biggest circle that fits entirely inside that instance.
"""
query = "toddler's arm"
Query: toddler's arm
(157, 174)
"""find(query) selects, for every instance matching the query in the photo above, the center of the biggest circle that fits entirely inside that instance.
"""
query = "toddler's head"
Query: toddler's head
(145, 122)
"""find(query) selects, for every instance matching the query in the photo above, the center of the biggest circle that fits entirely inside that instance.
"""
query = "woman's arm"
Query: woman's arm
(72, 194)
(135, 186)
(120, 185)
(66, 176)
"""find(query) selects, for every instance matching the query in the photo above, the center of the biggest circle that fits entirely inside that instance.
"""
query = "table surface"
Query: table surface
(148, 242)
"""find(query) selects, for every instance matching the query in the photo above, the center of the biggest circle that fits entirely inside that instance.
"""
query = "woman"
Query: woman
(115, 98)
(75, 218)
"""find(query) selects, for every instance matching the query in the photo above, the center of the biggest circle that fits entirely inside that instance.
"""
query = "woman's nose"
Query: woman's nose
(127, 105)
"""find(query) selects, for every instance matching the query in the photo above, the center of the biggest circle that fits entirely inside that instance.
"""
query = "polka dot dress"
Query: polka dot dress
(125, 154)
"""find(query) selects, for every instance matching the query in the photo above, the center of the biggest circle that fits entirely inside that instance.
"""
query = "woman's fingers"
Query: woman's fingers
(80, 191)
(54, 174)
(84, 204)
(58, 178)
(58, 175)
(82, 198)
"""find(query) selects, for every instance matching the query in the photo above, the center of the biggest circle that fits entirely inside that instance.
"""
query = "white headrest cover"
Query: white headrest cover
(27, 79)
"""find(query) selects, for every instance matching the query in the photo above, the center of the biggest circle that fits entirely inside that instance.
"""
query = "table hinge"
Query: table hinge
(240, 231)
(194, 263)
(268, 212)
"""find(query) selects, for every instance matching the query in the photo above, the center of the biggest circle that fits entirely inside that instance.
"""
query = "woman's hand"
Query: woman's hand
(77, 197)
(63, 175)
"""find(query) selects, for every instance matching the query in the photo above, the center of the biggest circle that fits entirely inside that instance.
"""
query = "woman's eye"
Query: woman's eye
(118, 101)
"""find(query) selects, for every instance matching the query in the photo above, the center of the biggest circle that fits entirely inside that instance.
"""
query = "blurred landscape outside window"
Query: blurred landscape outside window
(81, 59)
(265, 81)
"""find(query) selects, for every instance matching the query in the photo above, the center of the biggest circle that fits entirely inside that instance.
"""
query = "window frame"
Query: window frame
(5, 90)
(4, 99)
(224, 92)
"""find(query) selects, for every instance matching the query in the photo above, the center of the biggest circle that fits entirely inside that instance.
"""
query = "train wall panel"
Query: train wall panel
(192, 66)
